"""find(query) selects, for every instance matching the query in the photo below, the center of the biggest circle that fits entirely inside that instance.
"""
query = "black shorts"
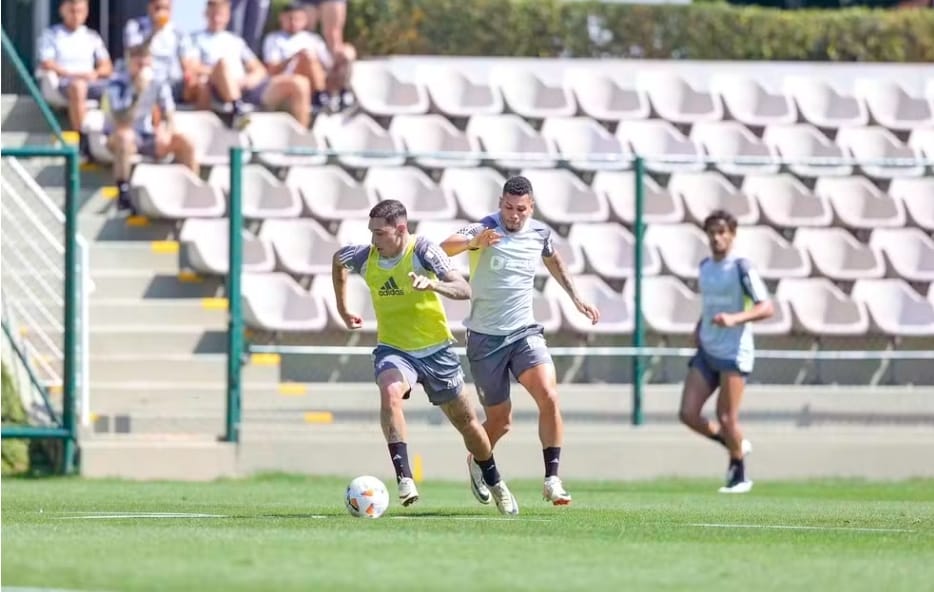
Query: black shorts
(320, 2)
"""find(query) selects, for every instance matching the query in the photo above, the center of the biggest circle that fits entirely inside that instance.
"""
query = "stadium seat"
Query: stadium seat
(670, 307)
(547, 311)
(780, 323)
(891, 106)
(302, 246)
(438, 230)
(703, 193)
(654, 139)
(785, 202)
(586, 143)
(878, 143)
(457, 93)
(358, 301)
(384, 92)
(562, 198)
(205, 245)
(615, 311)
(280, 131)
(674, 100)
(729, 141)
(275, 302)
(921, 141)
(918, 197)
(606, 97)
(771, 255)
(211, 138)
(748, 102)
(802, 142)
(329, 193)
(858, 203)
(895, 308)
(173, 192)
(530, 95)
(609, 249)
(476, 191)
(570, 253)
(354, 231)
(506, 136)
(359, 133)
(821, 308)
(262, 194)
(838, 255)
(423, 198)
(619, 189)
(910, 252)
(823, 105)
(681, 246)
(425, 134)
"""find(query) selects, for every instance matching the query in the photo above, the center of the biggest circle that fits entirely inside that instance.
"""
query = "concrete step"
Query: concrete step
(157, 257)
(135, 314)
(145, 284)
(192, 458)
(206, 368)
(160, 341)
(21, 114)
(16, 139)
(104, 227)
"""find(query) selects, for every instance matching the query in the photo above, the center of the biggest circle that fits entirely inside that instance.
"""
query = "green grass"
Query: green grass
(616, 536)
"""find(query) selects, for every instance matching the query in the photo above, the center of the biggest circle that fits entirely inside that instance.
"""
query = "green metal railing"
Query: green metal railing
(26, 77)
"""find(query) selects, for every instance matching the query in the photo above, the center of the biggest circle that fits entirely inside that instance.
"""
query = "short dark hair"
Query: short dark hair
(517, 185)
(390, 210)
(721, 216)
(293, 7)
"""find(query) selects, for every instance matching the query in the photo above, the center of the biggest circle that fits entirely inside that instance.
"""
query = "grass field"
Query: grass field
(292, 533)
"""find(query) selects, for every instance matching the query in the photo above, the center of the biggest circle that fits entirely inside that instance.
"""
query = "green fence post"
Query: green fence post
(72, 286)
(638, 332)
(235, 316)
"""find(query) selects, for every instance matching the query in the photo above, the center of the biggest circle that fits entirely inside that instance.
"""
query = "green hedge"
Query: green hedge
(550, 28)
(15, 453)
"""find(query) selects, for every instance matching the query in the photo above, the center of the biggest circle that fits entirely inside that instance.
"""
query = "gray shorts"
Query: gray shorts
(493, 357)
(440, 373)
(96, 88)
(711, 368)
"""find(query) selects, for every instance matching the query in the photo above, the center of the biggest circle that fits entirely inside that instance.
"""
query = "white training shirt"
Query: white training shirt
(75, 51)
(280, 46)
(211, 47)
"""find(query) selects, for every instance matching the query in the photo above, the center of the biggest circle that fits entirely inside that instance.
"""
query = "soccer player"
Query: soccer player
(503, 337)
(725, 352)
(407, 275)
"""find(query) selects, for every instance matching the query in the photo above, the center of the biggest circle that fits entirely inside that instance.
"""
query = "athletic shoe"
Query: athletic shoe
(746, 447)
(505, 501)
(739, 487)
(555, 493)
(408, 494)
(477, 485)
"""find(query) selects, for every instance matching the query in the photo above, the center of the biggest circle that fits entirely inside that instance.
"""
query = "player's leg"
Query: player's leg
(307, 65)
(700, 383)
(122, 143)
(175, 143)
(76, 89)
(333, 19)
(732, 386)
(395, 376)
(292, 91)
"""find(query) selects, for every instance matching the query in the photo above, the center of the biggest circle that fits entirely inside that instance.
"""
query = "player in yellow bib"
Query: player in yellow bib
(407, 275)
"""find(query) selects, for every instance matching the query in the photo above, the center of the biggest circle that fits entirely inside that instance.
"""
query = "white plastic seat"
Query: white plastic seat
(823, 105)
(610, 249)
(458, 93)
(822, 309)
(918, 197)
(171, 191)
(607, 97)
(211, 138)
(383, 91)
(616, 314)
(703, 193)
(359, 133)
(438, 230)
(275, 302)
(655, 140)
(786, 202)
(531, 95)
(562, 198)
(675, 100)
(280, 131)
(838, 255)
(895, 308)
(891, 106)
(302, 246)
(586, 143)
(422, 197)
(503, 136)
(670, 307)
(205, 243)
(910, 252)
(424, 134)
(359, 301)
(354, 231)
(860, 204)
(878, 143)
(681, 246)
(771, 255)
(547, 311)
(262, 194)
(329, 193)
(802, 142)
(660, 206)
(780, 323)
(921, 141)
(570, 253)
(750, 103)
(728, 141)
(476, 191)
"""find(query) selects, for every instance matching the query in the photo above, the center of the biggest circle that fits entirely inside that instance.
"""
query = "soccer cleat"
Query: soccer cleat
(477, 485)
(555, 493)
(746, 447)
(408, 494)
(738, 487)
(506, 502)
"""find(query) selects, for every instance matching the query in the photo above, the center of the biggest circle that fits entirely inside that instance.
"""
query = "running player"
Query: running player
(725, 351)
(503, 337)
(407, 275)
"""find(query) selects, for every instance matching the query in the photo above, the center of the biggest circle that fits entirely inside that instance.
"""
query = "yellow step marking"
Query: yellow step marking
(137, 221)
(214, 303)
(70, 137)
(89, 167)
(265, 359)
(418, 472)
(109, 192)
(319, 417)
(292, 389)
(188, 277)
(164, 247)
(56, 389)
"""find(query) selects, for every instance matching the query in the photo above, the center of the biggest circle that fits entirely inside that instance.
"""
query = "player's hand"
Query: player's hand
(487, 238)
(724, 319)
(420, 282)
(352, 321)
(589, 311)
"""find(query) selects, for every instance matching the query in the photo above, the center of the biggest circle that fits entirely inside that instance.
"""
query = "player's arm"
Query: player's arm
(345, 260)
(447, 282)
(558, 270)
(754, 289)
(470, 238)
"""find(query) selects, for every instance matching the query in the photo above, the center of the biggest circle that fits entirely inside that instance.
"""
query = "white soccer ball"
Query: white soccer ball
(366, 497)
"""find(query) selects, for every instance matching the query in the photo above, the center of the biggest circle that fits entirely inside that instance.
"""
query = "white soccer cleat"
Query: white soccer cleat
(505, 501)
(408, 494)
(741, 487)
(477, 484)
(746, 447)
(555, 493)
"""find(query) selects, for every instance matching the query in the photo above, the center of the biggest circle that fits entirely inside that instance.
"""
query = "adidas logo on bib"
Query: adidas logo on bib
(391, 288)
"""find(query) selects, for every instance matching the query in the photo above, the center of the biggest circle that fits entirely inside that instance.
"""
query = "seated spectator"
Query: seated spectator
(294, 50)
(232, 74)
(332, 15)
(173, 56)
(140, 120)
(73, 62)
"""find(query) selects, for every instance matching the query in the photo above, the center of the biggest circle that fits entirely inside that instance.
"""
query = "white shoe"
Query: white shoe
(408, 494)
(555, 493)
(741, 487)
(746, 447)
(477, 484)
(505, 501)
